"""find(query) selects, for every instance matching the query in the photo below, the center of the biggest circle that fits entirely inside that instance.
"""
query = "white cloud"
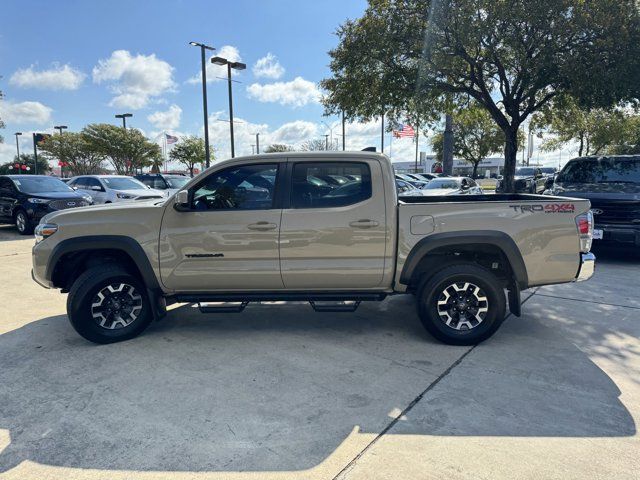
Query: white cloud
(135, 80)
(215, 73)
(294, 133)
(298, 92)
(268, 67)
(25, 112)
(60, 77)
(167, 120)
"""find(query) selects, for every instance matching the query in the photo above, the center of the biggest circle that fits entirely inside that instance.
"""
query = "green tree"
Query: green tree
(317, 145)
(75, 150)
(189, 152)
(476, 136)
(127, 150)
(278, 147)
(513, 57)
(28, 160)
(595, 130)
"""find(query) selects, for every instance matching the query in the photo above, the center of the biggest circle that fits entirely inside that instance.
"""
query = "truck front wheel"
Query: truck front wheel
(108, 304)
(461, 305)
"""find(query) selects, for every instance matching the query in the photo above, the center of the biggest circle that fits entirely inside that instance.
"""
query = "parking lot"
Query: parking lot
(284, 392)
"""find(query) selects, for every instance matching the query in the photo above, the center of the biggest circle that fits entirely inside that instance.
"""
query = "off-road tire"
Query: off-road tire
(85, 290)
(431, 290)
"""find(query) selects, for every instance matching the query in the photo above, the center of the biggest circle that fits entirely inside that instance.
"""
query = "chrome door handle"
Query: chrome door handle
(364, 223)
(262, 226)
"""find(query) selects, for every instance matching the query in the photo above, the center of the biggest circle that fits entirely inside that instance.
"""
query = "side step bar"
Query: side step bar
(335, 307)
(233, 308)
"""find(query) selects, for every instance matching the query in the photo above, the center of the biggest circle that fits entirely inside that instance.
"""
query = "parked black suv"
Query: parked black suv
(527, 180)
(613, 186)
(25, 199)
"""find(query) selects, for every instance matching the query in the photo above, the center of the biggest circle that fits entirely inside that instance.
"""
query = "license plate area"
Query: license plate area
(598, 234)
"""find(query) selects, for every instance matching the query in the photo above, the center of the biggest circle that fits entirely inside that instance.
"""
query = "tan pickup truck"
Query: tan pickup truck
(327, 228)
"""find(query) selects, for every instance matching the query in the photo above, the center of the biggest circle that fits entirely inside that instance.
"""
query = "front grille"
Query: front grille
(69, 203)
(621, 213)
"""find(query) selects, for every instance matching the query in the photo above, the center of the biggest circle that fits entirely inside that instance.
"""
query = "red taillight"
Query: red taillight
(583, 225)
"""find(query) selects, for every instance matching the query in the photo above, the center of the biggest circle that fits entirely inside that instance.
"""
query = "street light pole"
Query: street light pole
(343, 135)
(236, 66)
(257, 143)
(123, 116)
(60, 128)
(326, 142)
(204, 47)
(17, 134)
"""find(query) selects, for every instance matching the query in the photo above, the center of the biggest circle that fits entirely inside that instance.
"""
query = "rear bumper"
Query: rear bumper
(627, 234)
(587, 267)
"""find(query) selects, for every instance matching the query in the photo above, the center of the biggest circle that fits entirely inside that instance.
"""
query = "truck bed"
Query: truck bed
(542, 228)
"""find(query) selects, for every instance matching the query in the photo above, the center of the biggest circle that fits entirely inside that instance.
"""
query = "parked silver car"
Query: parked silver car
(452, 186)
(114, 188)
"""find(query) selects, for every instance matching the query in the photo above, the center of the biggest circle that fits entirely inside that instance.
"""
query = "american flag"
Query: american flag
(405, 131)
(170, 139)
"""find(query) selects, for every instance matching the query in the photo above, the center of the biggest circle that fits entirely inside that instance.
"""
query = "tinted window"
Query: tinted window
(92, 182)
(41, 184)
(601, 170)
(6, 185)
(525, 171)
(177, 181)
(352, 184)
(250, 187)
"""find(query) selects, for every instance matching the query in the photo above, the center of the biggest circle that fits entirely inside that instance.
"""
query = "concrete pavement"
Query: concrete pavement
(283, 392)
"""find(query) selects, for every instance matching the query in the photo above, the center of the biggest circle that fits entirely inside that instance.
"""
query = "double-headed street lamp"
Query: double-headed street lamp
(17, 134)
(60, 128)
(124, 117)
(236, 66)
(204, 47)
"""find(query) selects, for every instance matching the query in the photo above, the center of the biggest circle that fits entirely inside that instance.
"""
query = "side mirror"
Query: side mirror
(97, 188)
(181, 201)
(75, 188)
(465, 186)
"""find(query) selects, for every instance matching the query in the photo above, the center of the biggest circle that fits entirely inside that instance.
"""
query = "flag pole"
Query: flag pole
(417, 141)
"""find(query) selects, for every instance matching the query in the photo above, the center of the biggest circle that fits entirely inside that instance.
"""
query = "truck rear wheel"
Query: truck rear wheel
(107, 305)
(461, 304)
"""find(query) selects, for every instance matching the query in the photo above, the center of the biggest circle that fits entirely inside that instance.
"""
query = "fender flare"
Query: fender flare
(484, 237)
(101, 242)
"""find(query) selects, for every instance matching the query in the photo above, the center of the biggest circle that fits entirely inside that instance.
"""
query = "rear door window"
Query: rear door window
(350, 184)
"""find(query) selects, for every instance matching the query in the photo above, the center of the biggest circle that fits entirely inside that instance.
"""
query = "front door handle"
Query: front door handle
(364, 223)
(262, 226)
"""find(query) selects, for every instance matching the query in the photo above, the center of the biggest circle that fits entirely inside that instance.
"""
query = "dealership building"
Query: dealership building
(489, 167)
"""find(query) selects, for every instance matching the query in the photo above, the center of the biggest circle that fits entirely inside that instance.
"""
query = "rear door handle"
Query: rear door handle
(364, 223)
(262, 226)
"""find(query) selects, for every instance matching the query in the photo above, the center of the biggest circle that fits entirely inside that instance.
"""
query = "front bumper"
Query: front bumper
(587, 267)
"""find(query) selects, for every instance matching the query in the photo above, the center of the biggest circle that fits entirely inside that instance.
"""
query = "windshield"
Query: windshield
(445, 183)
(548, 170)
(602, 170)
(123, 183)
(177, 182)
(40, 185)
(525, 171)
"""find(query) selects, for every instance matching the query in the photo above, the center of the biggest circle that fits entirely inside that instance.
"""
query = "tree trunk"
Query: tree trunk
(510, 158)
(475, 170)
(447, 147)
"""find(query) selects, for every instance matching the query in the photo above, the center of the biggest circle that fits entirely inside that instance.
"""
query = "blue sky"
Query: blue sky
(78, 62)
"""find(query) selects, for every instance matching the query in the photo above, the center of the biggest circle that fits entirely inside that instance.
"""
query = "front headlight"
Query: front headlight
(125, 196)
(38, 200)
(44, 230)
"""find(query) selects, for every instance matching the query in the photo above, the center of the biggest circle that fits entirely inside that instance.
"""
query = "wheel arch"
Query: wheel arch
(422, 252)
(89, 249)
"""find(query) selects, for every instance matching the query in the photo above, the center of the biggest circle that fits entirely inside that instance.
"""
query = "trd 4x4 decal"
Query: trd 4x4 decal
(548, 208)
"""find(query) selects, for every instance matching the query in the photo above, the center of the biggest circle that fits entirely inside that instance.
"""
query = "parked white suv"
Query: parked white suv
(114, 188)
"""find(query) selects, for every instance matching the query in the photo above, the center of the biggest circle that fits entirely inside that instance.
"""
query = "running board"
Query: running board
(335, 307)
(353, 296)
(236, 308)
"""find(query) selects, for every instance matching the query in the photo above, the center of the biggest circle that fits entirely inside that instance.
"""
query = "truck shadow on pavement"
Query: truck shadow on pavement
(280, 388)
